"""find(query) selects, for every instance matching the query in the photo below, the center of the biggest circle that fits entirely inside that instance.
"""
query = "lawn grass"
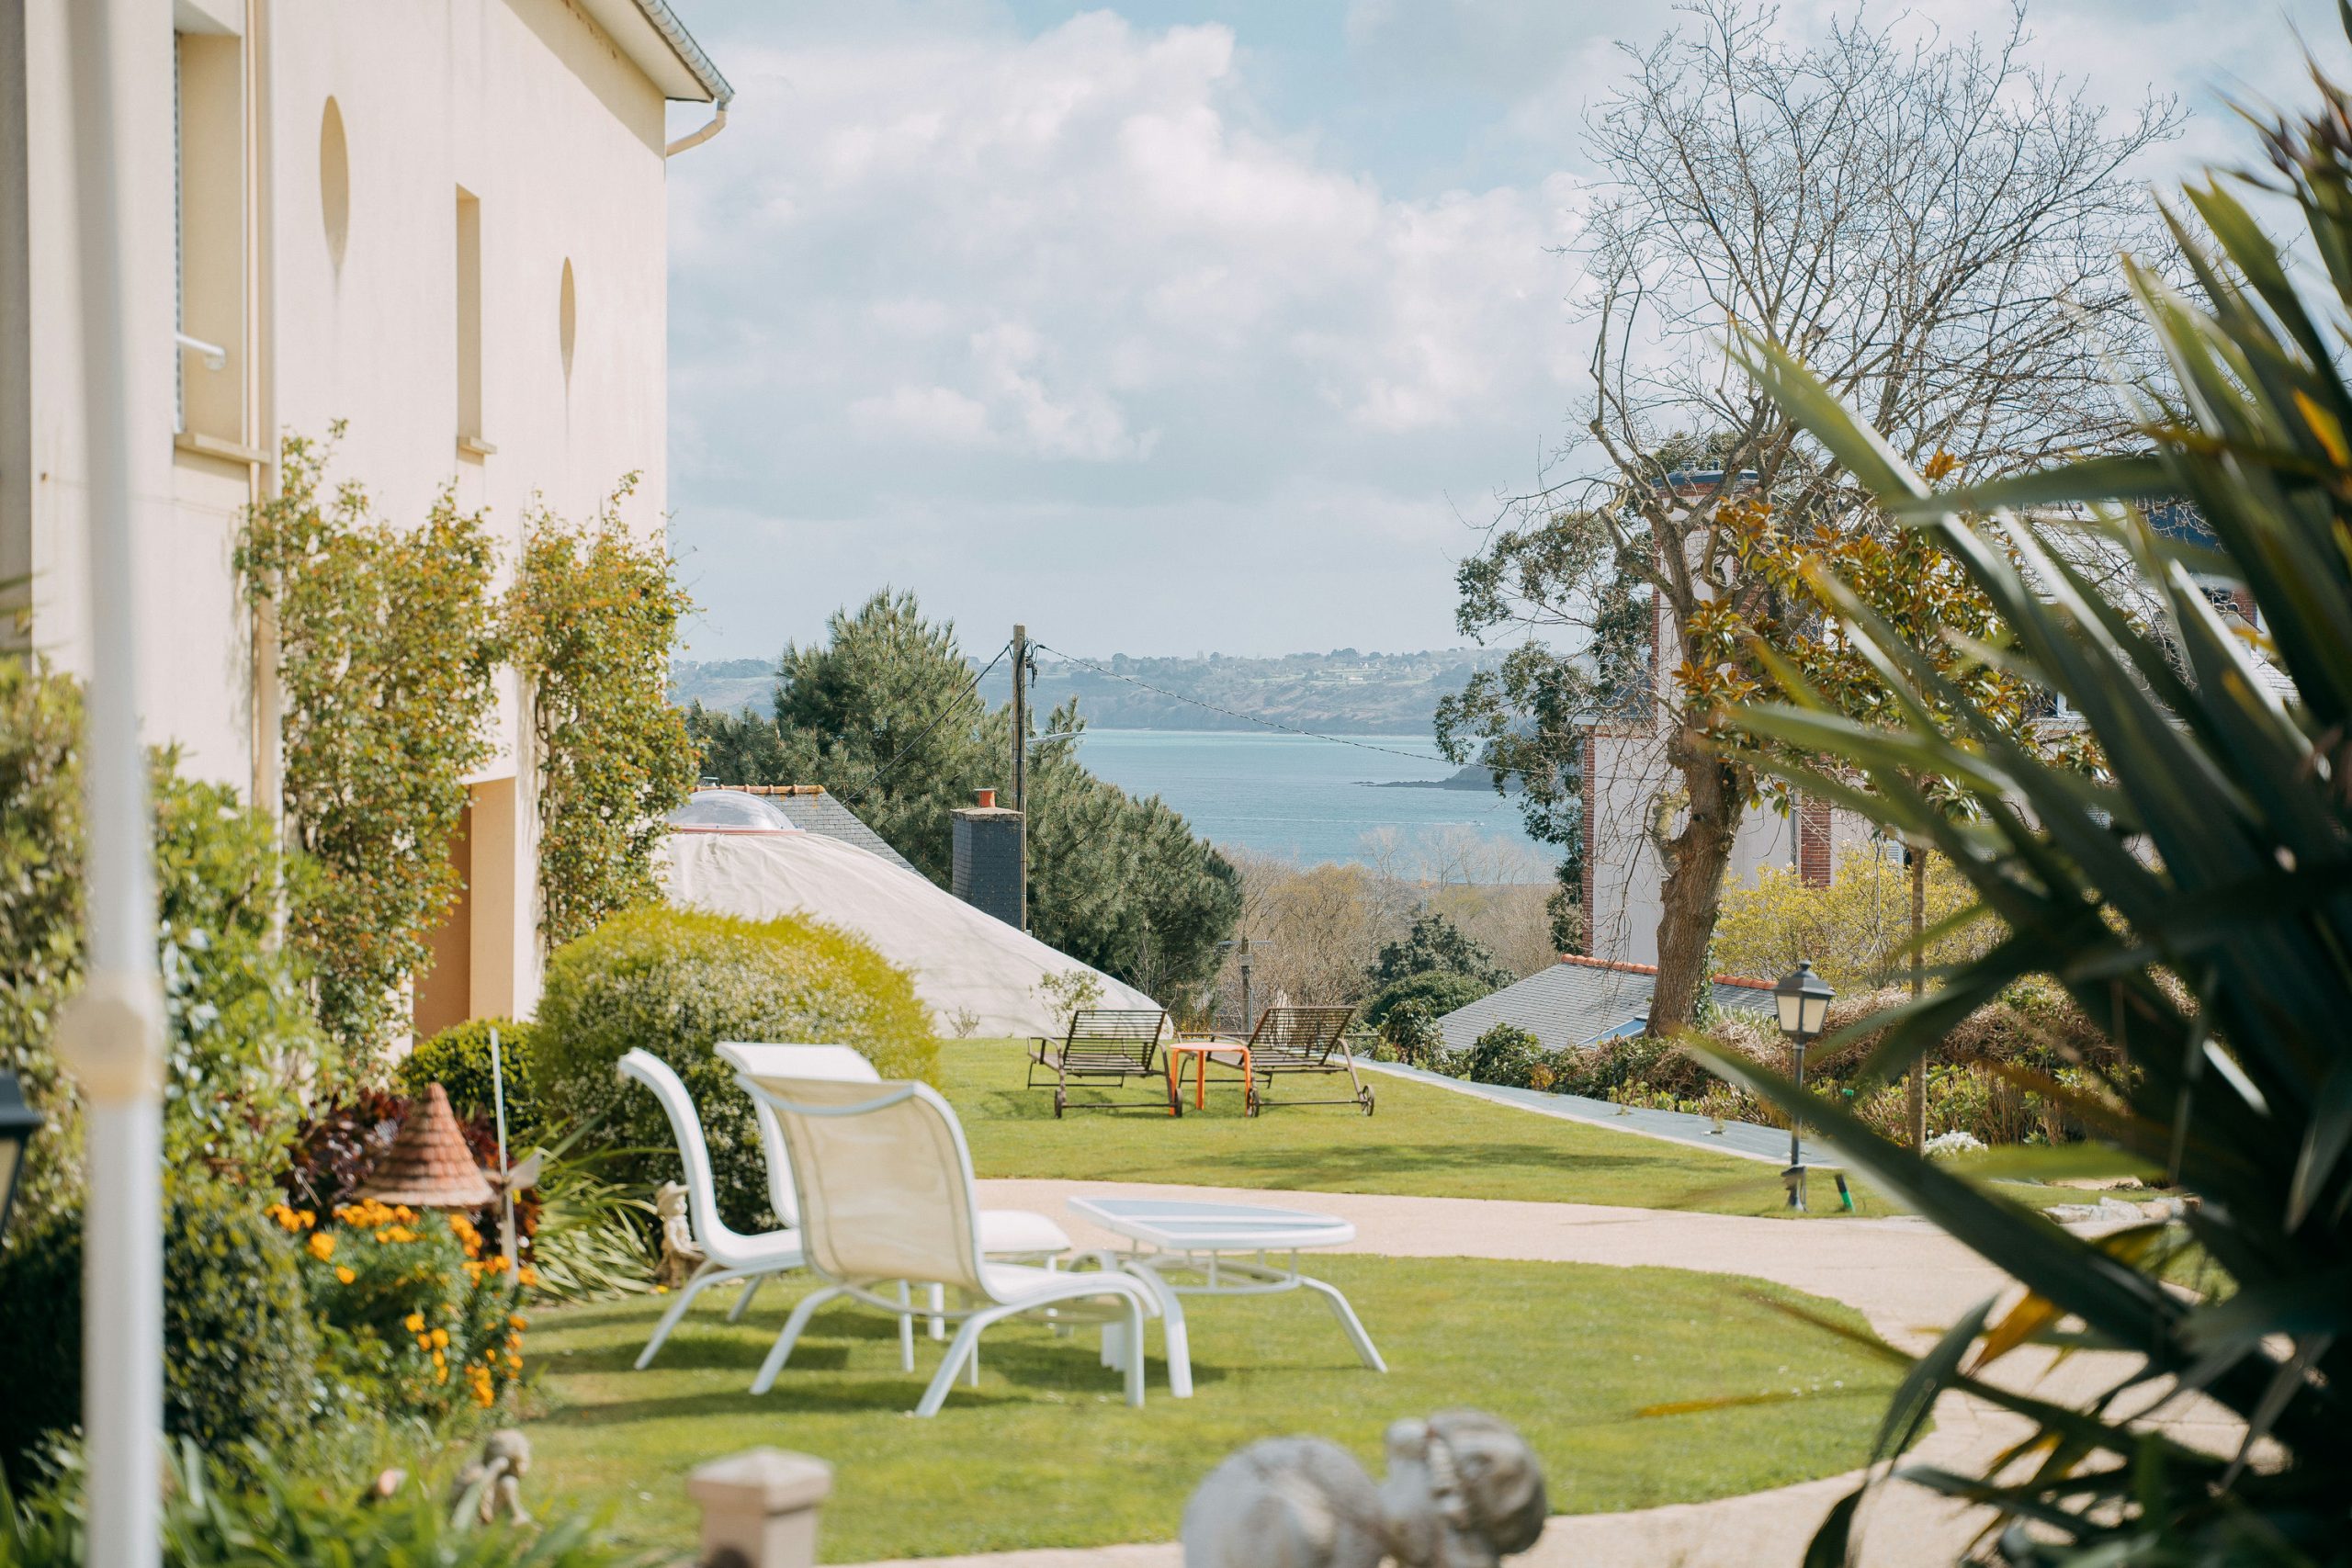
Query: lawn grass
(1423, 1142)
(1044, 1453)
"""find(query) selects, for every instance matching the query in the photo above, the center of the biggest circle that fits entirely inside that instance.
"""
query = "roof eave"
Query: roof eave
(650, 33)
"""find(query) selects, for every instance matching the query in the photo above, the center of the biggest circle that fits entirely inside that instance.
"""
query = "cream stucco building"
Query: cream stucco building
(443, 222)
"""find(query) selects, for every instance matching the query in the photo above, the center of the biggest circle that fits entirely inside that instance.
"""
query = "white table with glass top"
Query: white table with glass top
(1182, 1247)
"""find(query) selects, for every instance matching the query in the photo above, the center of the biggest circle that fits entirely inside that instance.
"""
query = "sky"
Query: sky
(1179, 328)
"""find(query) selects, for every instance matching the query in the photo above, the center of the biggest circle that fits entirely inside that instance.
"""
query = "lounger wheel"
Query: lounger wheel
(1365, 1095)
(1061, 1098)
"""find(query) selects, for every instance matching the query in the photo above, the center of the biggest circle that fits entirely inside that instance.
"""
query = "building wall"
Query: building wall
(1624, 875)
(476, 249)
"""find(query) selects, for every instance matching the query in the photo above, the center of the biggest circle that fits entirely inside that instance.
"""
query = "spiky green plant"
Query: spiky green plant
(2196, 895)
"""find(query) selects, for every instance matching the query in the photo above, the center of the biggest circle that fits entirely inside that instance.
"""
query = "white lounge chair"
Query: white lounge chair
(727, 1254)
(885, 1195)
(1007, 1236)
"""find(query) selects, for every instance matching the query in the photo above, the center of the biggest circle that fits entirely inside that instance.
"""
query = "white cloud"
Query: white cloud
(957, 268)
(1122, 325)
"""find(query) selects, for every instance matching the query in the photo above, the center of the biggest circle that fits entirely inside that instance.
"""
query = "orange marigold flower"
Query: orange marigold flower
(440, 1338)
(516, 1320)
(322, 1246)
(413, 1322)
(344, 1275)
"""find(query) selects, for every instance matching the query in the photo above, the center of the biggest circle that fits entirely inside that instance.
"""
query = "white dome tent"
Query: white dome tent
(734, 853)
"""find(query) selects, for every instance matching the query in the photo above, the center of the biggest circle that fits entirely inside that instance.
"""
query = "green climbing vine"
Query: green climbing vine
(591, 622)
(387, 641)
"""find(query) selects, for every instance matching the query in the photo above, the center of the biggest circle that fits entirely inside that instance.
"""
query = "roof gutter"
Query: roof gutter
(682, 43)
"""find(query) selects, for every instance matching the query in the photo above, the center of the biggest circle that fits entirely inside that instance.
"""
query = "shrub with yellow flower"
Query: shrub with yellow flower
(407, 1295)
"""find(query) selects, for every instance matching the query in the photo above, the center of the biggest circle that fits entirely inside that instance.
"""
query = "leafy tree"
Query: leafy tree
(1441, 991)
(1120, 882)
(1435, 945)
(885, 714)
(1801, 638)
(1933, 229)
(387, 645)
(592, 619)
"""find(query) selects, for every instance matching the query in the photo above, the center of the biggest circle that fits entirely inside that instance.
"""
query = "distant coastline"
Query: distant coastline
(1474, 777)
(1344, 692)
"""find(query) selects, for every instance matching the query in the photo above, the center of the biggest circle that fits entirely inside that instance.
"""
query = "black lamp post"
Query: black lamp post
(1804, 997)
(18, 1122)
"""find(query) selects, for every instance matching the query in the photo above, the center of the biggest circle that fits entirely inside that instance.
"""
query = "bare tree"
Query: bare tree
(1934, 228)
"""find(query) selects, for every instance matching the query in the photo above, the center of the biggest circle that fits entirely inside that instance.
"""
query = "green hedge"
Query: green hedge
(675, 983)
(240, 1350)
(1440, 992)
(458, 1060)
(1505, 1054)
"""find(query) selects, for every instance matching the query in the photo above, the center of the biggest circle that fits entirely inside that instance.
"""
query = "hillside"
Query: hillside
(1342, 691)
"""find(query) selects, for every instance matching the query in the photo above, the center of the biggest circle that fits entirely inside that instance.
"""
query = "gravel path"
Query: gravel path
(1907, 1277)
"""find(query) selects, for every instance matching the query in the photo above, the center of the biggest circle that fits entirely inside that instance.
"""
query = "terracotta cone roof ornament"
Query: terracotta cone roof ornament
(428, 1165)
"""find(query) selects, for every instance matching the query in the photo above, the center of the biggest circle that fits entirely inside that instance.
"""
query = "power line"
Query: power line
(945, 708)
(1230, 713)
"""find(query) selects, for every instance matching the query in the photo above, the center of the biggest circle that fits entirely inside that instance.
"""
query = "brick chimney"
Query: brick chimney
(986, 861)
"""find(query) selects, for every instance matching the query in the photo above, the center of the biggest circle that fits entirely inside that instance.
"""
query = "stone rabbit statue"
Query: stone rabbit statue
(492, 1484)
(1463, 1490)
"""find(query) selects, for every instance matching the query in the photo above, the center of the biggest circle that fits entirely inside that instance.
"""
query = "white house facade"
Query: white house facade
(442, 222)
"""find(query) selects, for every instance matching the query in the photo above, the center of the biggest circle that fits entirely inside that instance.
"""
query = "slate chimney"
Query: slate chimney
(986, 861)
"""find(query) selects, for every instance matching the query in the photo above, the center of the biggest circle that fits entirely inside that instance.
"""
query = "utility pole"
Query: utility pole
(1247, 953)
(1021, 756)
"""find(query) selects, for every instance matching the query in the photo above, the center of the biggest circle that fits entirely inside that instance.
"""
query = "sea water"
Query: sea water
(1307, 800)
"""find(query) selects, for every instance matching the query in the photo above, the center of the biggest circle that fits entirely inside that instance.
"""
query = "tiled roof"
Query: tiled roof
(1580, 1001)
(428, 1165)
(810, 808)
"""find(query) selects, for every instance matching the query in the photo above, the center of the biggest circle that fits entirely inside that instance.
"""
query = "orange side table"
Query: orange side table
(1200, 1051)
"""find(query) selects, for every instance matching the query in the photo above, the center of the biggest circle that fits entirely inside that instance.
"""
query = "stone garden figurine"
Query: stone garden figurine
(1463, 1490)
(680, 1256)
(495, 1479)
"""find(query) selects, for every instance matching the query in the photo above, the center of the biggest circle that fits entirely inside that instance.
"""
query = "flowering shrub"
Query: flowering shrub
(418, 1311)
(1948, 1146)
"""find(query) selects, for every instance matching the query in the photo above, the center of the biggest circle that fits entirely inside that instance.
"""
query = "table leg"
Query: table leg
(1200, 1081)
(1175, 1066)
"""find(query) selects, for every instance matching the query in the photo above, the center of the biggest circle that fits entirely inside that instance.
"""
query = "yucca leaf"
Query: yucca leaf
(2091, 478)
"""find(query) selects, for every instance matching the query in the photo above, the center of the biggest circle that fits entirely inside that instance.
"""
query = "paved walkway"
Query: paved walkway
(1907, 1277)
(1745, 1139)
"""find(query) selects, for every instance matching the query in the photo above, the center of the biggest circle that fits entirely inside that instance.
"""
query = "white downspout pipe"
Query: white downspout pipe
(111, 1034)
(718, 123)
